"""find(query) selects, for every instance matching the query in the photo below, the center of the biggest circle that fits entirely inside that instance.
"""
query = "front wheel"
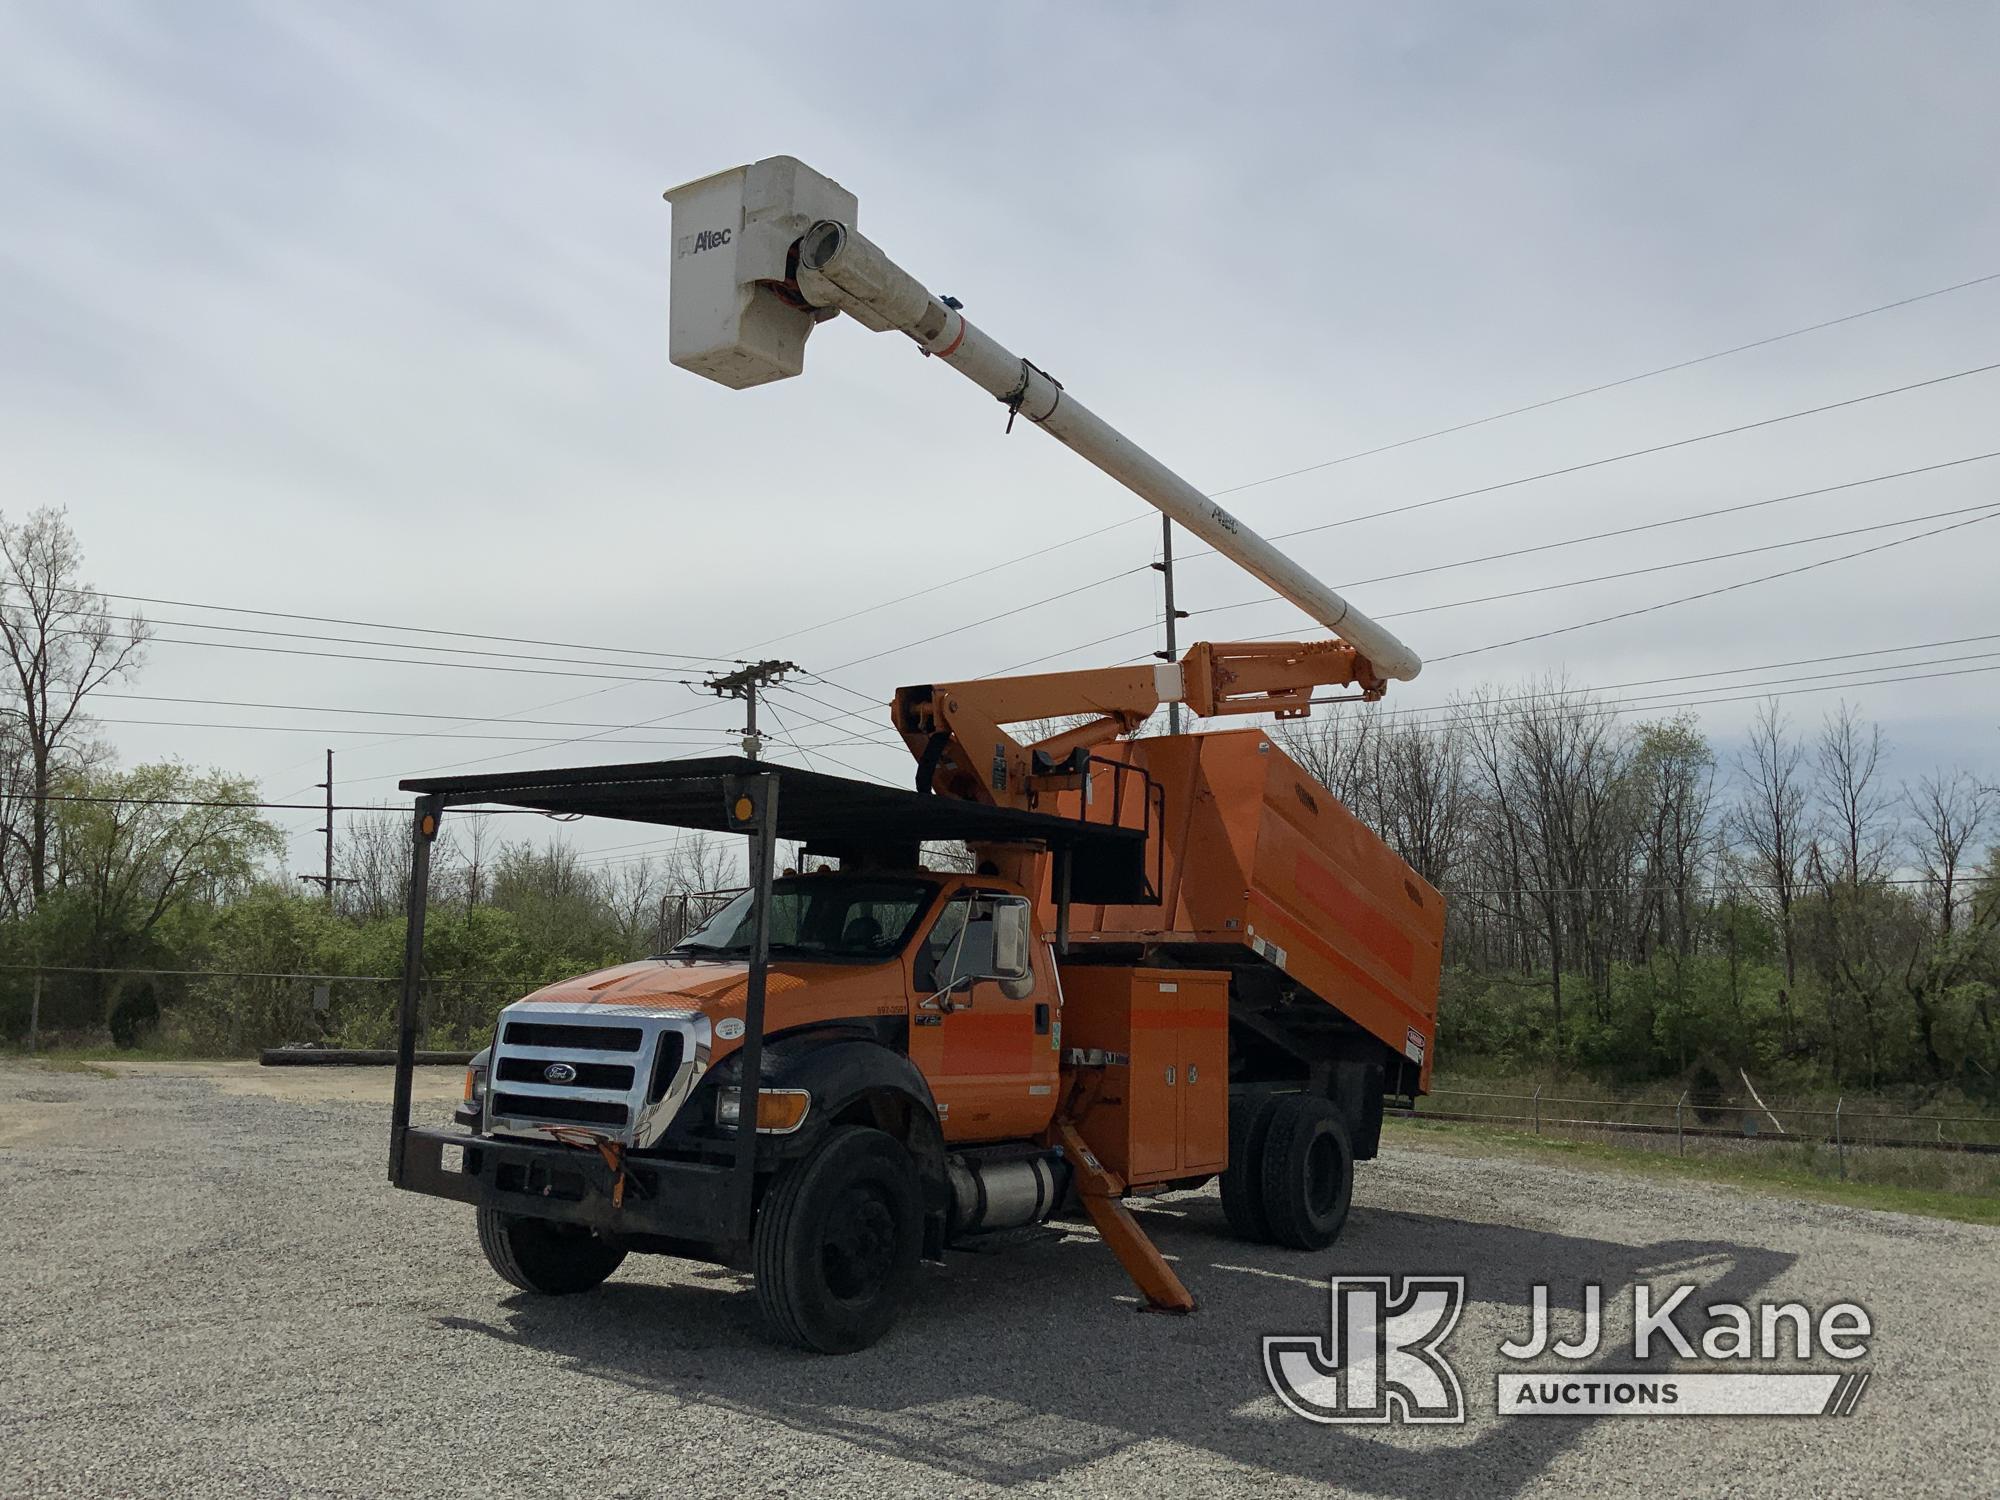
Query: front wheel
(836, 1241)
(542, 1255)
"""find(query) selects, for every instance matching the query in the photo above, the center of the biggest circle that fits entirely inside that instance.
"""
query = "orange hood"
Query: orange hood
(717, 988)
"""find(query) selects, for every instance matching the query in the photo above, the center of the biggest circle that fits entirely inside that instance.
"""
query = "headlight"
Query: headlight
(475, 1082)
(779, 1111)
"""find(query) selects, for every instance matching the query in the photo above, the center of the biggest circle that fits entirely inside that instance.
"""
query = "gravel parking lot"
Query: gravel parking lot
(209, 1289)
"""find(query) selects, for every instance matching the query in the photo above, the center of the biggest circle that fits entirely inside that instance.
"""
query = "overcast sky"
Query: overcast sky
(359, 311)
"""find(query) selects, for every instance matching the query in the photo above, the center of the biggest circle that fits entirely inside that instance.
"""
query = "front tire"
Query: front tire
(542, 1255)
(1308, 1172)
(836, 1241)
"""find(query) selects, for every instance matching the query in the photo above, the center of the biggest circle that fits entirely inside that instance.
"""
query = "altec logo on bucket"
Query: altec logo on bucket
(694, 244)
(1382, 1358)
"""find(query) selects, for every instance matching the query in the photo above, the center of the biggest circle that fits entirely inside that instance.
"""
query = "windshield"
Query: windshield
(821, 916)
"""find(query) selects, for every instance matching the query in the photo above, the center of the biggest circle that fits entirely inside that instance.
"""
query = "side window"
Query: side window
(981, 937)
(940, 951)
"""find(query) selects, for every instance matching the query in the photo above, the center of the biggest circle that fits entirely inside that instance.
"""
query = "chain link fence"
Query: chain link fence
(234, 1013)
(1715, 1117)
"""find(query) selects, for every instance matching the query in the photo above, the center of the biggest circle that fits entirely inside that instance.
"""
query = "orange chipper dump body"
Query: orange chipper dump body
(1262, 870)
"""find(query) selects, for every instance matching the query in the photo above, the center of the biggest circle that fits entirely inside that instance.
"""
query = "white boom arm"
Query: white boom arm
(782, 252)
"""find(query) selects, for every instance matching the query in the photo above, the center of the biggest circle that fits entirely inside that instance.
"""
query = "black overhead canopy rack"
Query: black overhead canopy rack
(812, 807)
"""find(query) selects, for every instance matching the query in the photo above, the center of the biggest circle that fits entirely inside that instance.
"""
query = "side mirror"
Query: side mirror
(1010, 939)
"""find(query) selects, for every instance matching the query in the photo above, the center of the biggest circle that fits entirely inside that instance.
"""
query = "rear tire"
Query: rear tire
(836, 1241)
(542, 1255)
(1308, 1172)
(1243, 1182)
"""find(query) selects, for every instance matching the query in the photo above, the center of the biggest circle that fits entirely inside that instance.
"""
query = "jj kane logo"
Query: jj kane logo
(1382, 1358)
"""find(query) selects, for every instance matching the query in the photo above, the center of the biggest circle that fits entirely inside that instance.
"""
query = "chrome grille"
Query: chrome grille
(620, 1072)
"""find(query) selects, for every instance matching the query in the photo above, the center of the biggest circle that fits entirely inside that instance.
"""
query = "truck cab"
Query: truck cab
(946, 973)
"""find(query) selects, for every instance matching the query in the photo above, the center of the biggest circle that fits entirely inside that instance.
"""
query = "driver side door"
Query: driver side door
(982, 1014)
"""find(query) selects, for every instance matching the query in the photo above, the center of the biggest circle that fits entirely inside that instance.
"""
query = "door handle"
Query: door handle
(1170, 1077)
(1041, 1018)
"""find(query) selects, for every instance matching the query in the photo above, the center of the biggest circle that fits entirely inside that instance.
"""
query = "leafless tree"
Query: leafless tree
(373, 861)
(1770, 822)
(1852, 848)
(1951, 809)
(1337, 750)
(62, 643)
(1857, 824)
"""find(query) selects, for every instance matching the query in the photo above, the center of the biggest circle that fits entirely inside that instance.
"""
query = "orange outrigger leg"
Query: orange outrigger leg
(1100, 1189)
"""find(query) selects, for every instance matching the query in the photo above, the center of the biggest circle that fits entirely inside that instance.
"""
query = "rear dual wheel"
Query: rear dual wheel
(1291, 1171)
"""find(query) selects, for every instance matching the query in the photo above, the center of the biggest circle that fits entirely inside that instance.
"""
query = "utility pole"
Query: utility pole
(743, 683)
(327, 882)
(1165, 568)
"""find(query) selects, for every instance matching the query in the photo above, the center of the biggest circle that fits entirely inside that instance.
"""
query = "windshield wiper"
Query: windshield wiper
(686, 946)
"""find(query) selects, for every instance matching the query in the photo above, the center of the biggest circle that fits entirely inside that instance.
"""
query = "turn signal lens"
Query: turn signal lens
(779, 1111)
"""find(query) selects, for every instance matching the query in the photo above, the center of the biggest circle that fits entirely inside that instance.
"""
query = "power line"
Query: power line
(313, 807)
(1447, 720)
(205, 802)
(1712, 593)
(990, 619)
(1611, 385)
(414, 734)
(1615, 458)
(465, 635)
(347, 640)
(400, 661)
(1497, 709)
(1435, 718)
(1987, 508)
(373, 713)
(1689, 562)
(1443, 499)
(786, 737)
(877, 735)
(1776, 338)
(1377, 712)
(1595, 536)
(1641, 886)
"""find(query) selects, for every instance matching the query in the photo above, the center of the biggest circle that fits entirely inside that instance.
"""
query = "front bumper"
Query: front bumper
(686, 1201)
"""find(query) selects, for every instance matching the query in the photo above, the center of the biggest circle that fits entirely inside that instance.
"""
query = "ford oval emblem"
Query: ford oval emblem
(729, 1028)
(559, 1073)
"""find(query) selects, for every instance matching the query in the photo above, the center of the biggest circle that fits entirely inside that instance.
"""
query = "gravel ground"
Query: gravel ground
(210, 1290)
